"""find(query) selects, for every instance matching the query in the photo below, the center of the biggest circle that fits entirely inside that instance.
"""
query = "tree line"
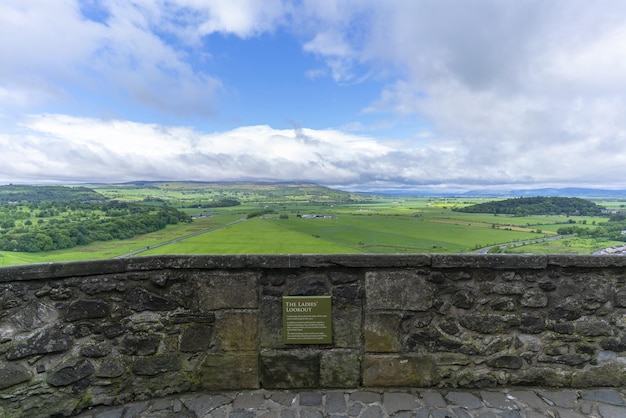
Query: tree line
(613, 229)
(17, 193)
(526, 206)
(66, 225)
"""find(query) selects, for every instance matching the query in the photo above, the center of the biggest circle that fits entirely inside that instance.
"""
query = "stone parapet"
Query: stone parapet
(75, 335)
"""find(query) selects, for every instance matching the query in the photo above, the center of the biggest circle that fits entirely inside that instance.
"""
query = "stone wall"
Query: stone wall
(74, 335)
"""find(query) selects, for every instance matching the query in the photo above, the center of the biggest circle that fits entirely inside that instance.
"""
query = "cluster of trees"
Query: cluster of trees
(260, 213)
(526, 206)
(220, 203)
(117, 221)
(610, 230)
(36, 194)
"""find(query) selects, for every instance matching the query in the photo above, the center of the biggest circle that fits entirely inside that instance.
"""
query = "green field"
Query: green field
(345, 223)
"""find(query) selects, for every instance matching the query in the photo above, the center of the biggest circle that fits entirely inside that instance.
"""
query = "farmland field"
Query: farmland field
(292, 219)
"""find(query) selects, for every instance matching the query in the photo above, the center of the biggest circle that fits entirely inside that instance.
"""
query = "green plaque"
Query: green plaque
(307, 320)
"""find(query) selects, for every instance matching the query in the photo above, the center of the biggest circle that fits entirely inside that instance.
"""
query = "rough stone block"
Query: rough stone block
(463, 299)
(540, 376)
(611, 373)
(13, 374)
(71, 372)
(238, 331)
(506, 362)
(534, 298)
(403, 290)
(488, 323)
(400, 370)
(223, 290)
(306, 283)
(591, 327)
(620, 298)
(532, 324)
(96, 350)
(140, 345)
(111, 367)
(229, 371)
(347, 326)
(290, 370)
(382, 332)
(48, 341)
(151, 366)
(340, 369)
(196, 337)
(614, 344)
(140, 299)
(271, 324)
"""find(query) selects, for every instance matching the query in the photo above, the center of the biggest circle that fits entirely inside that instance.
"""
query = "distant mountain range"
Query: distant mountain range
(547, 192)
(550, 192)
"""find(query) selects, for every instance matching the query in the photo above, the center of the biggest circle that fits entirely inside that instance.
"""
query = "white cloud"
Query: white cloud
(96, 150)
(85, 150)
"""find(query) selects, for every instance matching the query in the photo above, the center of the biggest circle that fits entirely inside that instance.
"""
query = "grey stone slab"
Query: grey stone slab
(269, 414)
(529, 398)
(242, 413)
(372, 412)
(133, 410)
(403, 414)
(111, 413)
(355, 409)
(498, 400)
(395, 401)
(567, 413)
(461, 413)
(441, 413)
(365, 396)
(249, 400)
(221, 412)
(535, 414)
(610, 411)
(608, 396)
(509, 414)
(311, 413)
(464, 399)
(488, 414)
(433, 399)
(586, 406)
(288, 413)
(422, 413)
(562, 398)
(161, 404)
(335, 403)
(177, 406)
(310, 399)
(203, 404)
(284, 398)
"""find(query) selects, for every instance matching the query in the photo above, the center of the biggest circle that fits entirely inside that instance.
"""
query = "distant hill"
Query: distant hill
(37, 194)
(525, 206)
(563, 192)
(250, 191)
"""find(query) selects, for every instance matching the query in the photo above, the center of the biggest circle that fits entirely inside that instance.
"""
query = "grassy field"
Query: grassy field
(254, 236)
(357, 224)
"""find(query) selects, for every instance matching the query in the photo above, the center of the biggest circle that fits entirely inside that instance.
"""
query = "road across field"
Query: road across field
(160, 244)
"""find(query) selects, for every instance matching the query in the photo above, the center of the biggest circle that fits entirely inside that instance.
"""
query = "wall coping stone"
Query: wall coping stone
(297, 261)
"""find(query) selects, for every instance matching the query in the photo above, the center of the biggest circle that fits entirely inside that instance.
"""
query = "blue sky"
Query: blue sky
(358, 94)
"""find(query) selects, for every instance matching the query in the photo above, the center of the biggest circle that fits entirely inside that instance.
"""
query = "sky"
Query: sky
(441, 95)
